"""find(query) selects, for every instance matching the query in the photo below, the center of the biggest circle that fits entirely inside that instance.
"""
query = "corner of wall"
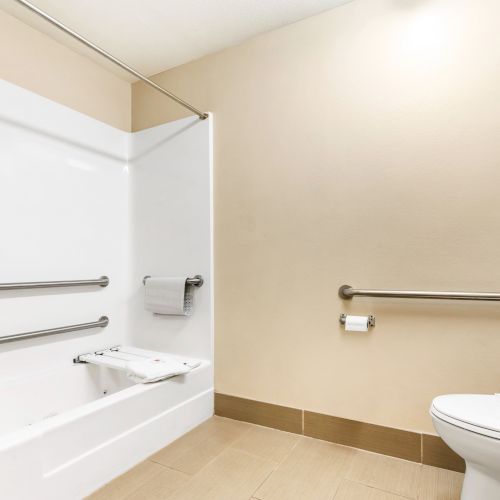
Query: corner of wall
(36, 62)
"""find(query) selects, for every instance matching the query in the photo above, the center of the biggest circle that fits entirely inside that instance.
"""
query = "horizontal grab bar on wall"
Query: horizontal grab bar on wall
(347, 292)
(101, 323)
(102, 281)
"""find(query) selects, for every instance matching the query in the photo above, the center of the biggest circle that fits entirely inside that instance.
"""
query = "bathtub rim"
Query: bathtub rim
(37, 429)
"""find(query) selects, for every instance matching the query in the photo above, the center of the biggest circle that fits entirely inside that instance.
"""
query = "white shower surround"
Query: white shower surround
(79, 200)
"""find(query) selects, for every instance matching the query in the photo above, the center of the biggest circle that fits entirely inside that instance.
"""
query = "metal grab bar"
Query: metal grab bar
(102, 322)
(195, 280)
(347, 292)
(102, 281)
(107, 55)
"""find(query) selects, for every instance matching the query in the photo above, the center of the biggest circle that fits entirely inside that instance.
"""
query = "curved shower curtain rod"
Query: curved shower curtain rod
(111, 58)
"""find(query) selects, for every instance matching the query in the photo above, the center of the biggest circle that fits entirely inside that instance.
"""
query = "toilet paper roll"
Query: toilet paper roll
(356, 323)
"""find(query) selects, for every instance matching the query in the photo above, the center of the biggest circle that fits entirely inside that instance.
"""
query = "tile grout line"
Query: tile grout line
(171, 468)
(342, 477)
(377, 489)
(133, 490)
(223, 450)
(277, 467)
(384, 491)
(191, 477)
(210, 461)
(263, 481)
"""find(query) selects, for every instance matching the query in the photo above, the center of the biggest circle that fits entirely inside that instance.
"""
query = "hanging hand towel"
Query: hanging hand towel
(168, 296)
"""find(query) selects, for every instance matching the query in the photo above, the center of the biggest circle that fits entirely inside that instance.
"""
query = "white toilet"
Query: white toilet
(470, 425)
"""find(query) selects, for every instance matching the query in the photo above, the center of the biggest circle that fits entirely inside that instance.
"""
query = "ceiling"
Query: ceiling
(155, 35)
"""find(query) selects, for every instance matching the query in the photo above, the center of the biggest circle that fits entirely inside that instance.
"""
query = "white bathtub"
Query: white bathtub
(69, 430)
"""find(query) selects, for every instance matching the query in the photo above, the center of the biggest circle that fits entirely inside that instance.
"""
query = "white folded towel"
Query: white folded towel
(140, 365)
(168, 296)
(145, 371)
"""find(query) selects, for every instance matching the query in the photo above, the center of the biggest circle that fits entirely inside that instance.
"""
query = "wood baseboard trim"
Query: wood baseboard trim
(413, 446)
(437, 453)
(257, 412)
(376, 438)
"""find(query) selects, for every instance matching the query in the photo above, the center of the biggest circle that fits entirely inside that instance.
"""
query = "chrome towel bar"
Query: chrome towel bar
(195, 280)
(101, 323)
(102, 281)
(347, 292)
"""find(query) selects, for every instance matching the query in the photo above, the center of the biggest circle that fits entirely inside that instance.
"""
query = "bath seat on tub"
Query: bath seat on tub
(141, 366)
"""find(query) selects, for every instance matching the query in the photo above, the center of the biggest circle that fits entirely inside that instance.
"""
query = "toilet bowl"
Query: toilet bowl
(470, 425)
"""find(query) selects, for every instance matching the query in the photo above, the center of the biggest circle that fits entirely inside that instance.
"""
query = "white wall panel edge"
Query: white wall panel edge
(38, 114)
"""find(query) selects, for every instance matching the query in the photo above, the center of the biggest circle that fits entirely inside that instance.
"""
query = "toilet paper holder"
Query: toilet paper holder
(371, 319)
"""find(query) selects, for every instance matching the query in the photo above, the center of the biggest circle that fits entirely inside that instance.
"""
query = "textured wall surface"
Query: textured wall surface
(359, 146)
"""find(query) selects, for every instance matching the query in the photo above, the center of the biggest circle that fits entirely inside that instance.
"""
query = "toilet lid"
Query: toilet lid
(480, 412)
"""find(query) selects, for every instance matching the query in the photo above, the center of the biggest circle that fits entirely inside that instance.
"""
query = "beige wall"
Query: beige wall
(360, 146)
(38, 63)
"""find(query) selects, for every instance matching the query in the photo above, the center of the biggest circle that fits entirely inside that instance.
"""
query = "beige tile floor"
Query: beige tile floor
(224, 459)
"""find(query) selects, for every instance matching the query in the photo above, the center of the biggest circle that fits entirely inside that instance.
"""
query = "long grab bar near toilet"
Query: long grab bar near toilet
(101, 323)
(195, 280)
(102, 281)
(347, 292)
